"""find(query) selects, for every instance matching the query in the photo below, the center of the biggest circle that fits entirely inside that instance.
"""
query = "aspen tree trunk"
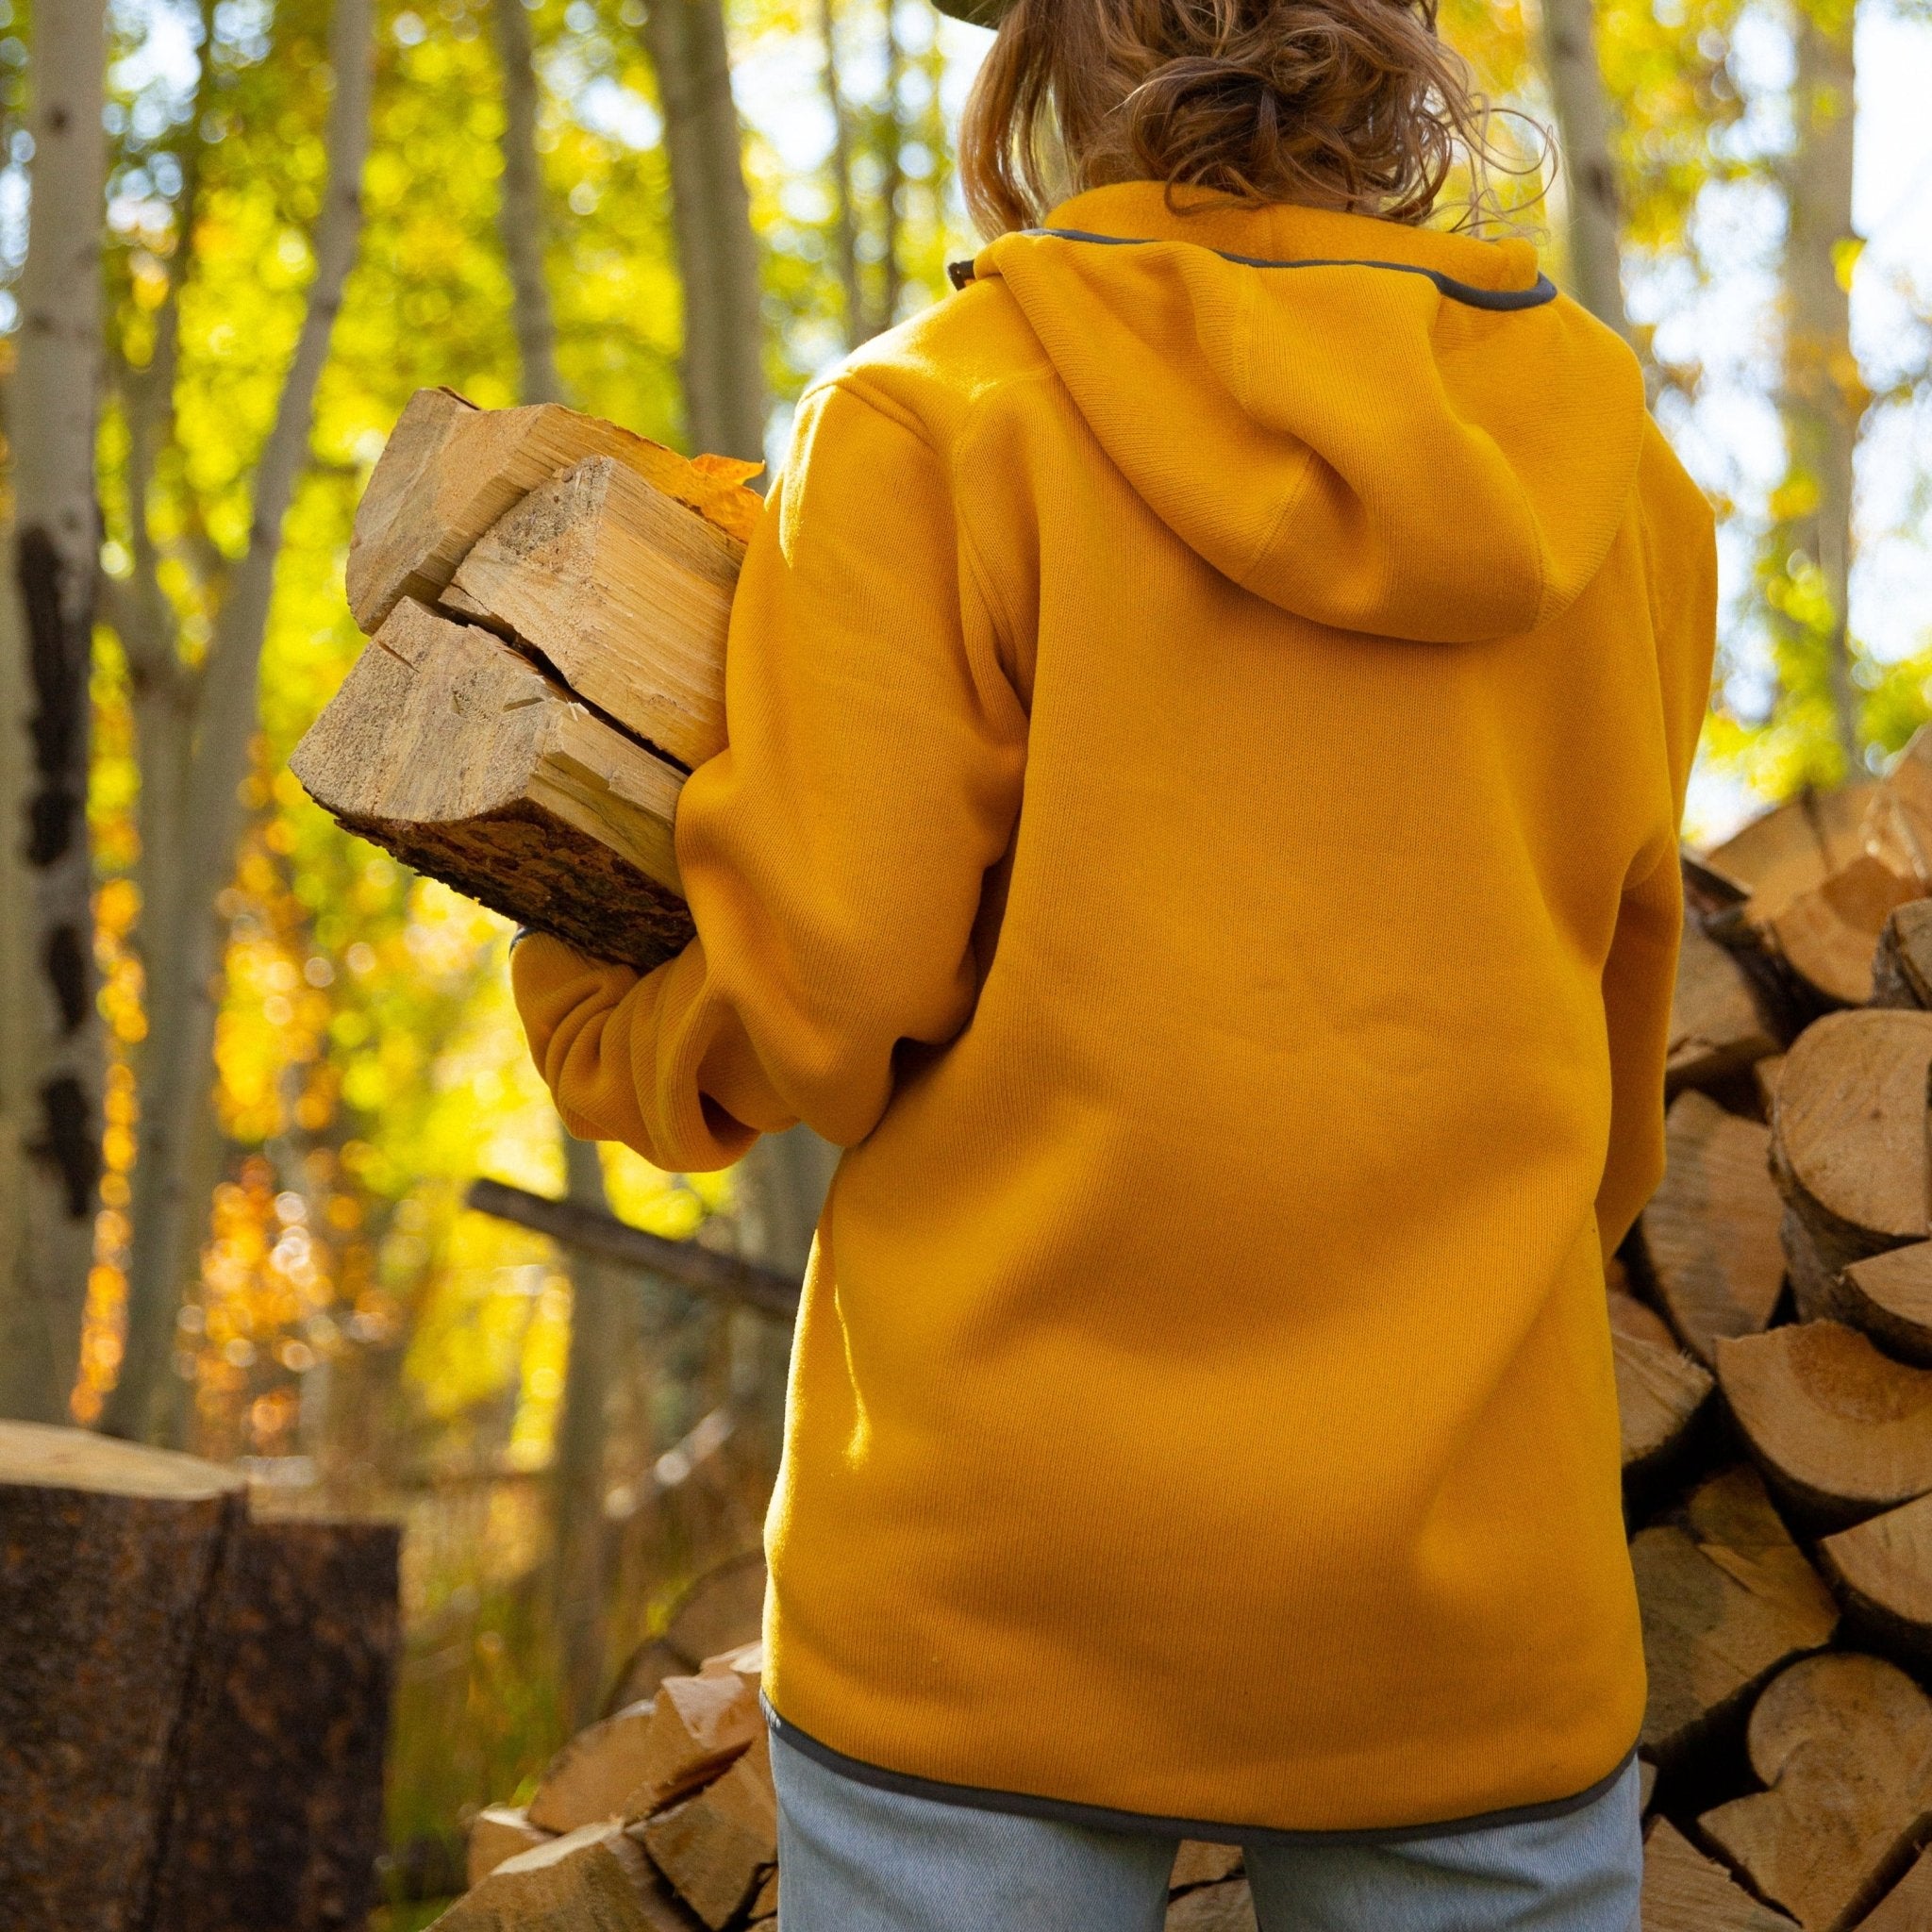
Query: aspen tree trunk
(50, 1041)
(844, 218)
(893, 172)
(211, 760)
(724, 399)
(521, 210)
(1583, 127)
(1823, 397)
(580, 1581)
(711, 214)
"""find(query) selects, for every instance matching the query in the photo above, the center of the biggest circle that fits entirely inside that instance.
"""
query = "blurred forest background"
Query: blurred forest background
(248, 1065)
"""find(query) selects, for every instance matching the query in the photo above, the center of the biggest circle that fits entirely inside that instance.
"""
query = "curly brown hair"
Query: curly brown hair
(1354, 104)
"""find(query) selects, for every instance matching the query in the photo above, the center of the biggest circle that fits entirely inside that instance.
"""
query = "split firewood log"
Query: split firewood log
(451, 750)
(1840, 1431)
(621, 590)
(717, 1847)
(1901, 968)
(1794, 847)
(764, 1905)
(1897, 826)
(1907, 1907)
(110, 1550)
(451, 470)
(1228, 1906)
(595, 1879)
(1199, 1863)
(1883, 1570)
(724, 1610)
(1716, 1027)
(1660, 1390)
(1889, 1296)
(589, 1778)
(275, 1801)
(1766, 1074)
(1727, 1599)
(1843, 1744)
(698, 1727)
(1685, 1891)
(1829, 934)
(1849, 1130)
(1710, 1232)
(500, 1832)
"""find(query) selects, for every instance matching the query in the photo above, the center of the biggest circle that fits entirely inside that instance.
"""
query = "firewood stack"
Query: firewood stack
(548, 598)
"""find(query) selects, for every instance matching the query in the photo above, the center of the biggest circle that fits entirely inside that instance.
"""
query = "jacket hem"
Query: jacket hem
(1211, 1831)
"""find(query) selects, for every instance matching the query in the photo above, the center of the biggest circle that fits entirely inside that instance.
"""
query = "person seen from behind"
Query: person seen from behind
(1209, 709)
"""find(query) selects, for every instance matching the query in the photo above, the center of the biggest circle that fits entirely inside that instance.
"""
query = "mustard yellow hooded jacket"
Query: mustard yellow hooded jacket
(1209, 709)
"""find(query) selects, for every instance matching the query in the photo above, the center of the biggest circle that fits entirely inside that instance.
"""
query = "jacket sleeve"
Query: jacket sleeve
(833, 854)
(1641, 973)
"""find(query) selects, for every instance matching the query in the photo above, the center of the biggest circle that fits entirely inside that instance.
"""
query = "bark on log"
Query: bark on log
(1727, 1599)
(1840, 1431)
(1844, 1745)
(451, 470)
(529, 802)
(1716, 1027)
(1710, 1232)
(1685, 1891)
(107, 1553)
(702, 1269)
(1901, 969)
(1889, 1296)
(275, 1817)
(1817, 1286)
(1883, 1570)
(1849, 1130)
(622, 591)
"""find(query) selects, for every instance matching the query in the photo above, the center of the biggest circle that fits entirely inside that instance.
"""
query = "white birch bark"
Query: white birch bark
(50, 1041)
(711, 213)
(1824, 399)
(1590, 175)
(208, 764)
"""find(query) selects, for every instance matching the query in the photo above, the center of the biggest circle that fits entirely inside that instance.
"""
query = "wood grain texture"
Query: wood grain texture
(620, 590)
(1228, 1906)
(1883, 1570)
(1889, 1296)
(1715, 1028)
(107, 1553)
(450, 471)
(1685, 1891)
(1660, 1392)
(1842, 1430)
(497, 1833)
(1794, 847)
(593, 1880)
(698, 1727)
(591, 1776)
(1829, 934)
(1849, 1129)
(1843, 1745)
(716, 1847)
(449, 749)
(1727, 1598)
(1711, 1231)
(1907, 1907)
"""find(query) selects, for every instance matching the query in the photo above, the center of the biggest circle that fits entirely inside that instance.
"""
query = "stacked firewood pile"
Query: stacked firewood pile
(548, 598)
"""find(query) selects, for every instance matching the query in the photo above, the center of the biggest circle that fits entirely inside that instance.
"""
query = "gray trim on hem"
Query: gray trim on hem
(1104, 1818)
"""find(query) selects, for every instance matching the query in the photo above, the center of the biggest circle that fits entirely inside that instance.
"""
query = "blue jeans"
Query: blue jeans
(853, 1858)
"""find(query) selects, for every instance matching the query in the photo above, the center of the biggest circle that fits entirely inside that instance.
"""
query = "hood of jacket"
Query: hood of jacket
(1377, 427)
